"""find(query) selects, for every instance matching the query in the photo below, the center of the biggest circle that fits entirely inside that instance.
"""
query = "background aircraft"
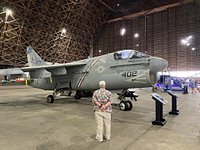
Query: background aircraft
(121, 70)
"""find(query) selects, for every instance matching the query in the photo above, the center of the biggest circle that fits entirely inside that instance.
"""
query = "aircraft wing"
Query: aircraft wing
(52, 67)
(37, 71)
(51, 70)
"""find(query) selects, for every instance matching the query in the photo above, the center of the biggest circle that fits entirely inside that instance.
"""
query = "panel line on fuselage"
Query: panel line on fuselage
(87, 70)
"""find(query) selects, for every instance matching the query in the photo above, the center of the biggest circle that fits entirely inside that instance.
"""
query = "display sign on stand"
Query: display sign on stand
(174, 110)
(159, 102)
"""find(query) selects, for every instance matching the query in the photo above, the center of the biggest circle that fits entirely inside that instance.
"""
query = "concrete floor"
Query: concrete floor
(27, 122)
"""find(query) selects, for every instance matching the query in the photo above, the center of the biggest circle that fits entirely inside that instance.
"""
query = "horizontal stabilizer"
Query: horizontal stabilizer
(11, 71)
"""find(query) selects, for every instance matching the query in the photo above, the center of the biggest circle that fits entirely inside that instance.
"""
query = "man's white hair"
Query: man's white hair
(102, 84)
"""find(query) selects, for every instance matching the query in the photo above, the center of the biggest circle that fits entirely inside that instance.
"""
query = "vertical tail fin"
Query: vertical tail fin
(33, 58)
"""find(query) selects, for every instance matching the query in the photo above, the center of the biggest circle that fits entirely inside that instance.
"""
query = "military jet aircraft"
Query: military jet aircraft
(121, 70)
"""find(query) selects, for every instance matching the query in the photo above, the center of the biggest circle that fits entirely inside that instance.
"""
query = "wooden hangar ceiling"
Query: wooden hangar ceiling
(59, 30)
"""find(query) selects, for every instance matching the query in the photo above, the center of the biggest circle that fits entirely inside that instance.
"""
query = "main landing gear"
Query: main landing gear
(50, 99)
(67, 92)
(125, 96)
(57, 92)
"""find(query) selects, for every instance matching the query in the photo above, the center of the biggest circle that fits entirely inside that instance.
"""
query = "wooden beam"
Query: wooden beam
(158, 9)
(107, 6)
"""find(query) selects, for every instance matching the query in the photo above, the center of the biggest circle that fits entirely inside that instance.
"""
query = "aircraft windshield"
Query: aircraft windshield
(129, 54)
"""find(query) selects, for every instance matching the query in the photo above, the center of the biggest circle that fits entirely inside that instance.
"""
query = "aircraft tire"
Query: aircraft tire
(129, 105)
(50, 99)
(123, 106)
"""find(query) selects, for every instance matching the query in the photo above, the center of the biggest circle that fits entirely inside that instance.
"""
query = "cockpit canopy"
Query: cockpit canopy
(129, 54)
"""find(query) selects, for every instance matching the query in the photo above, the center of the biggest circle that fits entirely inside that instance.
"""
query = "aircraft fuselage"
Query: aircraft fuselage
(118, 73)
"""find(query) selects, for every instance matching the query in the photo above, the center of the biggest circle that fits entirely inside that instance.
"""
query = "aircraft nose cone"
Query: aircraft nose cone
(158, 64)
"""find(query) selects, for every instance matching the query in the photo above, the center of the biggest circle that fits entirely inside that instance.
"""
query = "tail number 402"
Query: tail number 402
(129, 74)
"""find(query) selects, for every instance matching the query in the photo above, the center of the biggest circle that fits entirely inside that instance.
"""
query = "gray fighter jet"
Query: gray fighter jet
(121, 70)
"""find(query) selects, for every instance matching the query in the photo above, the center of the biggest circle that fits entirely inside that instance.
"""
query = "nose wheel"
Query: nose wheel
(125, 105)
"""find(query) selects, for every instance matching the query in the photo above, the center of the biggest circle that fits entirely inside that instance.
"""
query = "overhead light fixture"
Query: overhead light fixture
(188, 44)
(184, 41)
(99, 51)
(189, 37)
(187, 41)
(118, 4)
(8, 12)
(63, 31)
(136, 35)
(122, 31)
(193, 49)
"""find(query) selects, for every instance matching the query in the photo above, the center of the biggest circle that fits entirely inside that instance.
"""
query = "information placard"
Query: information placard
(159, 98)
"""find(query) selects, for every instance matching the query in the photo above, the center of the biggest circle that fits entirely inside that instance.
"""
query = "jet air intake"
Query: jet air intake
(157, 64)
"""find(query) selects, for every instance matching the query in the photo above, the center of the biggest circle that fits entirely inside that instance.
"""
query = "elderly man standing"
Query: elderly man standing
(103, 109)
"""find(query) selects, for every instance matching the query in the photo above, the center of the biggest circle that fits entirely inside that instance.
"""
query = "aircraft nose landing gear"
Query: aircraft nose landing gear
(125, 105)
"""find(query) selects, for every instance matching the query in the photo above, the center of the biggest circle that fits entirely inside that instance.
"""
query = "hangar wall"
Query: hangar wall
(160, 34)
